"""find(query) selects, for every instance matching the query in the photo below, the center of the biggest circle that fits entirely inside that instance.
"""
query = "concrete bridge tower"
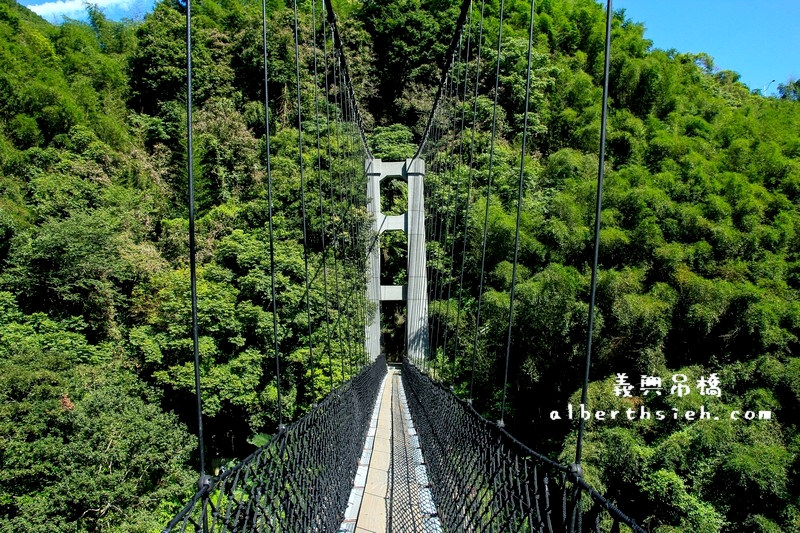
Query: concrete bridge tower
(412, 222)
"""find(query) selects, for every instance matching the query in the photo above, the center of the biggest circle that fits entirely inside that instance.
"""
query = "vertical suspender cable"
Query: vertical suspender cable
(338, 244)
(349, 105)
(519, 212)
(438, 234)
(302, 180)
(338, 61)
(455, 215)
(431, 236)
(203, 481)
(432, 126)
(441, 330)
(460, 162)
(357, 185)
(330, 183)
(488, 185)
(597, 213)
(337, 44)
(469, 188)
(441, 129)
(338, 79)
(271, 228)
(358, 157)
(321, 209)
(349, 115)
(350, 121)
(462, 17)
(351, 199)
(192, 245)
(430, 225)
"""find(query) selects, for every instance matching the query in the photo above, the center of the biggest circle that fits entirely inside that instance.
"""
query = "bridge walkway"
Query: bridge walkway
(391, 491)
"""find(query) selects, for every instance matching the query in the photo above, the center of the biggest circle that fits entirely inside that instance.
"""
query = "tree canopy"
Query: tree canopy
(700, 271)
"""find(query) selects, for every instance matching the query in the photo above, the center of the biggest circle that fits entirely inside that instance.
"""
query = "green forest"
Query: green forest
(699, 252)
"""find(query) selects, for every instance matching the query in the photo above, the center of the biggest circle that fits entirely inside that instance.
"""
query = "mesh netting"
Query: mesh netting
(484, 480)
(298, 482)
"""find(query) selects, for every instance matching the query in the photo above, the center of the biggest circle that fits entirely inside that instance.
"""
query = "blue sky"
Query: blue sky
(759, 39)
(55, 10)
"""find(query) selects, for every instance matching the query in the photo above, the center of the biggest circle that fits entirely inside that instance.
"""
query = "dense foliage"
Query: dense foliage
(699, 253)
(95, 328)
(699, 270)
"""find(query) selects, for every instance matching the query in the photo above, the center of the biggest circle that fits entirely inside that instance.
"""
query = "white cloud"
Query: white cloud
(74, 8)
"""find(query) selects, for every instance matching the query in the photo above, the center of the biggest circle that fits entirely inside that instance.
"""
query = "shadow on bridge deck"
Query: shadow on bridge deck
(391, 489)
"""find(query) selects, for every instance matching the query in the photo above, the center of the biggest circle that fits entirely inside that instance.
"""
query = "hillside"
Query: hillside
(699, 273)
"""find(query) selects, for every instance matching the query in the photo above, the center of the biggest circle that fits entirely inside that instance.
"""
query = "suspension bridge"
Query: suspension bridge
(393, 448)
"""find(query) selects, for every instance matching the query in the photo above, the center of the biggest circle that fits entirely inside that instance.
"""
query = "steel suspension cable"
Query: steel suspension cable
(453, 166)
(337, 43)
(357, 158)
(444, 230)
(442, 167)
(350, 117)
(455, 208)
(519, 211)
(489, 183)
(320, 193)
(332, 196)
(597, 213)
(340, 246)
(433, 281)
(338, 74)
(469, 190)
(271, 227)
(448, 170)
(430, 228)
(445, 67)
(444, 234)
(358, 352)
(193, 247)
(349, 195)
(460, 163)
(361, 308)
(440, 237)
(302, 181)
(435, 237)
(349, 94)
(350, 200)
(437, 233)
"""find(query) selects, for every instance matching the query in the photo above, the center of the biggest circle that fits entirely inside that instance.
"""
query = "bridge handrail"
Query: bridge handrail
(301, 478)
(465, 507)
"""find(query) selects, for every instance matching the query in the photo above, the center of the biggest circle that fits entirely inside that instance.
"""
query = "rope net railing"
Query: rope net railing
(300, 480)
(483, 479)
